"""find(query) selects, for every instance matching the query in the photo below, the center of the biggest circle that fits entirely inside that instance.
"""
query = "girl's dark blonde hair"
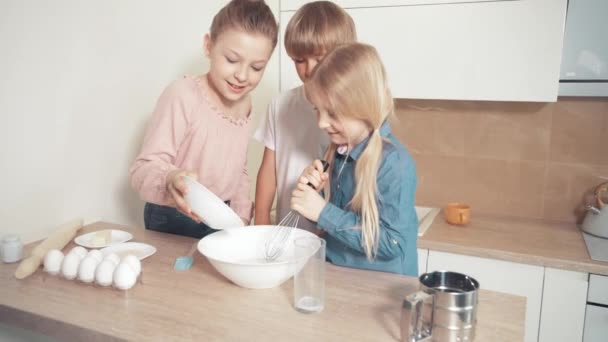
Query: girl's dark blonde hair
(318, 27)
(351, 83)
(251, 16)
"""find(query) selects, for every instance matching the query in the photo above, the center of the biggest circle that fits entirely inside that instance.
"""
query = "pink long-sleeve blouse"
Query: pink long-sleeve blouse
(188, 132)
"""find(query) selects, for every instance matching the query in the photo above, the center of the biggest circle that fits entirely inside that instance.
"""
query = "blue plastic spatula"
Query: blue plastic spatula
(183, 263)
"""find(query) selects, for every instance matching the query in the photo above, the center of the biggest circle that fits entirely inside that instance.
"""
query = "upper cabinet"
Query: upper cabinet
(585, 59)
(440, 49)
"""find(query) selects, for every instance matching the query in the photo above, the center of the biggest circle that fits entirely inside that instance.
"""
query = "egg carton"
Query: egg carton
(91, 267)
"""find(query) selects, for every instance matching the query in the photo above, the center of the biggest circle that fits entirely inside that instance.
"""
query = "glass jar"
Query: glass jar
(11, 248)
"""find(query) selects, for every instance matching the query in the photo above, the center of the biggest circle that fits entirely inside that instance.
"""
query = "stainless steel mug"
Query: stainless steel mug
(445, 309)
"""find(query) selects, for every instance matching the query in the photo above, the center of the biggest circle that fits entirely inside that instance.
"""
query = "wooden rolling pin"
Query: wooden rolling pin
(57, 240)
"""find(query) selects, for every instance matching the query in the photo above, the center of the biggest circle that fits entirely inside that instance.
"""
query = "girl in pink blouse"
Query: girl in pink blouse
(200, 127)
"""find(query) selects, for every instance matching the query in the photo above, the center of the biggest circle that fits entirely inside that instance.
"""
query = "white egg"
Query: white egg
(86, 270)
(52, 261)
(104, 272)
(113, 257)
(124, 276)
(80, 251)
(69, 266)
(95, 254)
(134, 262)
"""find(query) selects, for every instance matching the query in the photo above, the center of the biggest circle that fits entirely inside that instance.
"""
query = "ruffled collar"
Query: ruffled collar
(204, 91)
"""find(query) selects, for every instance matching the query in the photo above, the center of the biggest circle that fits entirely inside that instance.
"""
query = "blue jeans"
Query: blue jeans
(168, 220)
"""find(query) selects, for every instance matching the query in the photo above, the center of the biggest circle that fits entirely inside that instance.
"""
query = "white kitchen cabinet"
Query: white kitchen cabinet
(422, 257)
(596, 327)
(563, 308)
(465, 50)
(501, 276)
(293, 5)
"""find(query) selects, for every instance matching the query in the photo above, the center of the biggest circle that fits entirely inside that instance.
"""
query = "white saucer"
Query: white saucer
(89, 240)
(140, 250)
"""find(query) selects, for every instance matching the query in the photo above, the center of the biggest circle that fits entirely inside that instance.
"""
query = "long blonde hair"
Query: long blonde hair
(351, 82)
(316, 27)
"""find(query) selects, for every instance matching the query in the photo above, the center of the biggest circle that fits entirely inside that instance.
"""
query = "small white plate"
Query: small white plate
(140, 250)
(96, 240)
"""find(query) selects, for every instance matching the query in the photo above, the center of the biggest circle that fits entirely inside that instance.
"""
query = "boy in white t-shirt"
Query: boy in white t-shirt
(290, 134)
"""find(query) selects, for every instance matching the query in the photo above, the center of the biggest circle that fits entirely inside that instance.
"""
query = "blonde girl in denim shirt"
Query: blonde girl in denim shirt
(367, 213)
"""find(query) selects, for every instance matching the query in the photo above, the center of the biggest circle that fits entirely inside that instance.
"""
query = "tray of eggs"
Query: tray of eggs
(91, 266)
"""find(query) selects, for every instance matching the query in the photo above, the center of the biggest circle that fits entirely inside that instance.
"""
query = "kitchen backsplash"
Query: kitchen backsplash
(530, 160)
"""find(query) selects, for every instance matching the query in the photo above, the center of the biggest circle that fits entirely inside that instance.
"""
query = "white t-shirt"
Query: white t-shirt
(290, 130)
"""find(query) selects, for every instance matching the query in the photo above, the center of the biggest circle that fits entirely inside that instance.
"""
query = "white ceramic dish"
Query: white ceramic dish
(95, 240)
(210, 208)
(238, 254)
(140, 250)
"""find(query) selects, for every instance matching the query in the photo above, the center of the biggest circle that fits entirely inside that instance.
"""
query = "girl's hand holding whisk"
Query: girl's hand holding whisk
(314, 175)
(177, 188)
(305, 199)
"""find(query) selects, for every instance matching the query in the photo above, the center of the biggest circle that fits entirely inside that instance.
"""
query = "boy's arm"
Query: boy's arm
(266, 187)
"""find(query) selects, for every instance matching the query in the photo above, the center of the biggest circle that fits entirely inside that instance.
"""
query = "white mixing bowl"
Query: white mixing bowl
(238, 254)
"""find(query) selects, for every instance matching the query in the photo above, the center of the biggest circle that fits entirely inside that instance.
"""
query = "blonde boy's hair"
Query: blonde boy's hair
(351, 83)
(251, 16)
(318, 27)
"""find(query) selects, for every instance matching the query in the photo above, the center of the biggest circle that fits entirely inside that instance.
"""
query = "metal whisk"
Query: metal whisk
(276, 244)
(278, 239)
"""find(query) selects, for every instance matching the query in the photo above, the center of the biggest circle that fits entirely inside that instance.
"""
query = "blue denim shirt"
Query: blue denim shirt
(396, 183)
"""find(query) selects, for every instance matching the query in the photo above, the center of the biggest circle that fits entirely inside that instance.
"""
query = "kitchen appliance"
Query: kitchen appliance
(597, 247)
(596, 220)
(596, 312)
(584, 68)
(444, 310)
(595, 226)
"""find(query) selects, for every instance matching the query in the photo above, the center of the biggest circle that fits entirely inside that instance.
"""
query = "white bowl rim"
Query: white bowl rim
(284, 262)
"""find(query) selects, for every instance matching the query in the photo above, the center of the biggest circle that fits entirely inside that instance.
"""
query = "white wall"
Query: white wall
(78, 82)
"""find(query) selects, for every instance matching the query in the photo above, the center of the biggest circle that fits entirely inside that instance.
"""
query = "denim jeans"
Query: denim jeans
(168, 220)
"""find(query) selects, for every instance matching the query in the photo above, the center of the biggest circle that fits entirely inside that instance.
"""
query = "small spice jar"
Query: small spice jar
(11, 248)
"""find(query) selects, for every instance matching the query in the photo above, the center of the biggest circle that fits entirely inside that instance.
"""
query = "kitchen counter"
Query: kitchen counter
(550, 244)
(200, 304)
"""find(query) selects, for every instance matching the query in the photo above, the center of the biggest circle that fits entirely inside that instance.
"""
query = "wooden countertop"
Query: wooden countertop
(200, 304)
(535, 242)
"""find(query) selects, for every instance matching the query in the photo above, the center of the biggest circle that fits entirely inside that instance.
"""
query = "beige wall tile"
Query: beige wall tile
(526, 160)
(431, 131)
(579, 132)
(509, 188)
(568, 189)
(490, 186)
(439, 179)
(518, 132)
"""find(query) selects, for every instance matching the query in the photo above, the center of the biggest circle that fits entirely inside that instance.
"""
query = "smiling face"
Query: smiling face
(342, 130)
(237, 61)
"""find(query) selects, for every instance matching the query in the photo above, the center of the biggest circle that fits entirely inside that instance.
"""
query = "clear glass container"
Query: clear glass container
(11, 249)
